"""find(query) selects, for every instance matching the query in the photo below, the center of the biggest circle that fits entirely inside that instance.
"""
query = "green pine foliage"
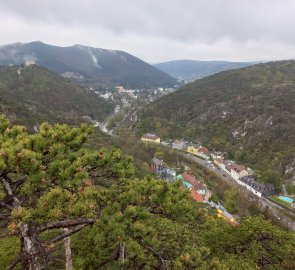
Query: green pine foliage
(51, 181)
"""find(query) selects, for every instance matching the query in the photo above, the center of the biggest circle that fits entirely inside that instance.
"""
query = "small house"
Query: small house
(217, 162)
(169, 175)
(150, 137)
(187, 180)
(157, 166)
(238, 171)
(226, 215)
(196, 196)
(192, 149)
(199, 188)
(226, 166)
(179, 145)
(203, 152)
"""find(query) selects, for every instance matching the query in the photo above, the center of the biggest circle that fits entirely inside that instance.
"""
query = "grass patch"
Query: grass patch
(279, 201)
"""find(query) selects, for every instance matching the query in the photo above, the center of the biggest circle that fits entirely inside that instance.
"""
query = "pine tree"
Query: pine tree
(46, 185)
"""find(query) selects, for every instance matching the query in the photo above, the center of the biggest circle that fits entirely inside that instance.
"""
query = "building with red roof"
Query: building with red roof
(196, 196)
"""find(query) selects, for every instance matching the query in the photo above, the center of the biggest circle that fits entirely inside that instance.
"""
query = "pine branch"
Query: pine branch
(4, 216)
(159, 256)
(113, 256)
(65, 224)
(14, 262)
(18, 183)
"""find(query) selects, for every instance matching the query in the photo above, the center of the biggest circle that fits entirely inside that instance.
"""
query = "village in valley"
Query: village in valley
(217, 163)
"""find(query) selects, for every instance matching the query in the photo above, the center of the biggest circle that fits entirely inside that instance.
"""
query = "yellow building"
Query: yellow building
(218, 161)
(148, 137)
(227, 216)
(192, 149)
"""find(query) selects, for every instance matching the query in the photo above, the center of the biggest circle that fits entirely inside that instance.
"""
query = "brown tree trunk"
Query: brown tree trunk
(33, 254)
(68, 251)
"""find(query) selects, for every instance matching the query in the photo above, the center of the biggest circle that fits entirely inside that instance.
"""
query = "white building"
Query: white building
(256, 188)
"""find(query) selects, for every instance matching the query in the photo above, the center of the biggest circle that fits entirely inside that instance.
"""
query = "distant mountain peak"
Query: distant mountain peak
(190, 70)
(98, 67)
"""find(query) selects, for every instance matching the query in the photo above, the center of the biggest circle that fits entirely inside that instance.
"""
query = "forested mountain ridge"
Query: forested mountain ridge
(93, 67)
(190, 70)
(31, 94)
(249, 113)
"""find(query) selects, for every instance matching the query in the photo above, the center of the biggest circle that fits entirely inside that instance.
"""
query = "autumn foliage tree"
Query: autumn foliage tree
(46, 184)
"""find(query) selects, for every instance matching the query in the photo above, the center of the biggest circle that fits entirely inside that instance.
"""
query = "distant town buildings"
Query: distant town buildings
(240, 173)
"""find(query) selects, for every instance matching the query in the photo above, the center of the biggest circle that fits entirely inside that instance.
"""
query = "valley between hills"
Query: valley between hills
(137, 170)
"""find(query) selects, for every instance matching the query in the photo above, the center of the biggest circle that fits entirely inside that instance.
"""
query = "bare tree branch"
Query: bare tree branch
(65, 224)
(5, 205)
(66, 234)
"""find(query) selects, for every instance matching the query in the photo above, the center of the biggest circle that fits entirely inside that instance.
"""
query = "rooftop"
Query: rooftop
(189, 178)
(157, 161)
(150, 136)
(238, 168)
(198, 185)
(203, 149)
(266, 190)
(196, 196)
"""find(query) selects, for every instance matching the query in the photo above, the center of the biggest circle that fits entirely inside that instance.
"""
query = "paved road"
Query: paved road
(277, 211)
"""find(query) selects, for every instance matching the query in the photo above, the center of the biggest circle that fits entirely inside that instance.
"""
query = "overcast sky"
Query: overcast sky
(158, 30)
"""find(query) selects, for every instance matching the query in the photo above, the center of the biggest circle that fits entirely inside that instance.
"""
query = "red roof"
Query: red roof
(238, 168)
(198, 185)
(196, 196)
(203, 150)
(189, 178)
(229, 166)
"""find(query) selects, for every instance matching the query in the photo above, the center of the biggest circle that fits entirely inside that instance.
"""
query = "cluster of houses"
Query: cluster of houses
(190, 182)
(194, 149)
(240, 173)
(197, 190)
(243, 176)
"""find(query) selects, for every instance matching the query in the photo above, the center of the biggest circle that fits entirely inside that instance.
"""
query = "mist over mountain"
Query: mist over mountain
(190, 70)
(93, 67)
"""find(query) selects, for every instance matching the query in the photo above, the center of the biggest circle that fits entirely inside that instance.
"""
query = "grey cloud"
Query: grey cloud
(217, 28)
